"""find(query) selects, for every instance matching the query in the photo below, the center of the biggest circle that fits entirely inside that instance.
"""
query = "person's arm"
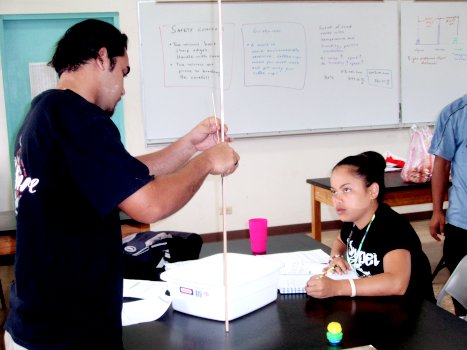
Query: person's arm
(393, 281)
(168, 193)
(439, 188)
(177, 154)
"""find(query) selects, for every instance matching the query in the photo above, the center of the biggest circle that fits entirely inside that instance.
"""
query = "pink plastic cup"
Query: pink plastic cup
(258, 235)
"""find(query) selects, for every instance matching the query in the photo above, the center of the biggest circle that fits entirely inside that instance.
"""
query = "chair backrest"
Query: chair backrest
(456, 285)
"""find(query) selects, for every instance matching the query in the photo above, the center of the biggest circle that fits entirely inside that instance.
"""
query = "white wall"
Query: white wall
(271, 178)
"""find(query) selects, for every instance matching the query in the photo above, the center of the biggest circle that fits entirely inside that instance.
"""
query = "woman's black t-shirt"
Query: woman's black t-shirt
(388, 231)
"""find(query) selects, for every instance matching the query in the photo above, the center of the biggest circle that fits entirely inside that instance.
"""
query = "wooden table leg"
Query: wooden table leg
(315, 216)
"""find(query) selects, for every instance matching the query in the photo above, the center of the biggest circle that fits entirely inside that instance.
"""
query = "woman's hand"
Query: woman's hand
(337, 264)
(321, 287)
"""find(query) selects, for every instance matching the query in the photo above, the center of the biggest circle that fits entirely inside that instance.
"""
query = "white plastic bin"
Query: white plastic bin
(197, 287)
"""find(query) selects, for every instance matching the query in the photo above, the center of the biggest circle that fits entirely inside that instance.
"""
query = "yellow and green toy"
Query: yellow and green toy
(334, 333)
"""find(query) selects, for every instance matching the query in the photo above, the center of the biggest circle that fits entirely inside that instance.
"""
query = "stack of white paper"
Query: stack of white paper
(300, 266)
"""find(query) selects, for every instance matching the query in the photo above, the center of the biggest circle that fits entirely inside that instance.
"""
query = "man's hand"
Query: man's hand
(224, 160)
(437, 222)
(207, 134)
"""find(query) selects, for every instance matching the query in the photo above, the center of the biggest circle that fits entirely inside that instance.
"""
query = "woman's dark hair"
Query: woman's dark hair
(370, 167)
(82, 42)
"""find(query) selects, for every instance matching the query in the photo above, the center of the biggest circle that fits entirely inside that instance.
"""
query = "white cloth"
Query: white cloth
(10, 343)
(153, 301)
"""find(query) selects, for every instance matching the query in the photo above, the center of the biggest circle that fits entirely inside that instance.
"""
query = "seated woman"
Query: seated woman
(376, 242)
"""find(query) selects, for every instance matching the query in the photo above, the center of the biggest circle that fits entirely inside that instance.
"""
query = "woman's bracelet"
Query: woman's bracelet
(335, 257)
(352, 286)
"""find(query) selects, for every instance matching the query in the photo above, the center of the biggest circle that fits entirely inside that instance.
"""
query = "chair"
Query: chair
(456, 285)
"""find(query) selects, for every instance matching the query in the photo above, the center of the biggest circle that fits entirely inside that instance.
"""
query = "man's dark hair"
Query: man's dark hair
(82, 42)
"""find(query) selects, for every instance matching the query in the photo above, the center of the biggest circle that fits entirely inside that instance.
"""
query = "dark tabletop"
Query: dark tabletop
(298, 322)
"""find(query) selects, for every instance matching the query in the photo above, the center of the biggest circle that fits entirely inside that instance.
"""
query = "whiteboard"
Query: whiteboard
(288, 67)
(433, 57)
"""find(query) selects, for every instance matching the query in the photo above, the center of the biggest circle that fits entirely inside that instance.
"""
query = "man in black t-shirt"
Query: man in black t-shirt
(73, 176)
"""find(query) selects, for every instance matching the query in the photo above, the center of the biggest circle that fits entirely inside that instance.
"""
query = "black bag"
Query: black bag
(145, 253)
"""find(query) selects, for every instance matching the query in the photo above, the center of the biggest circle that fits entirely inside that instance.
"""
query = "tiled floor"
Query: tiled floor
(431, 247)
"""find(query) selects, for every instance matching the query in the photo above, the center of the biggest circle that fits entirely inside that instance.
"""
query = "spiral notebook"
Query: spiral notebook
(300, 266)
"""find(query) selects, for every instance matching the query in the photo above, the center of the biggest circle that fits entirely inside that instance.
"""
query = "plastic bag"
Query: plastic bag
(419, 165)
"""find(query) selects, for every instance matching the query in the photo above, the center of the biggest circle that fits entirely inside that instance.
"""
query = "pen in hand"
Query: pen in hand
(332, 268)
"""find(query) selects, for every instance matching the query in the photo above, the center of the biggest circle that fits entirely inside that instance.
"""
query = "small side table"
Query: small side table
(7, 244)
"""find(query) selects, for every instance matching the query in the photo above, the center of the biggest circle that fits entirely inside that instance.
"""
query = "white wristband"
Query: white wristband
(352, 286)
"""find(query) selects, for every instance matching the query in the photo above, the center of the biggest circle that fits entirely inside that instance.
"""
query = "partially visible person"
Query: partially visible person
(73, 176)
(449, 146)
(376, 242)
